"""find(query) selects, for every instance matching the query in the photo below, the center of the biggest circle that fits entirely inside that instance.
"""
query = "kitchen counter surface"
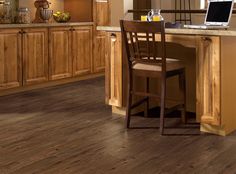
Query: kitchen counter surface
(228, 32)
(36, 25)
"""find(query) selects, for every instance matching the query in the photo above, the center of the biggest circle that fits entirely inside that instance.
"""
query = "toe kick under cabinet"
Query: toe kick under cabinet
(31, 57)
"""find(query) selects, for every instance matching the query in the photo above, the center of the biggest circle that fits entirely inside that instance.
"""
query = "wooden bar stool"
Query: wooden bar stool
(146, 57)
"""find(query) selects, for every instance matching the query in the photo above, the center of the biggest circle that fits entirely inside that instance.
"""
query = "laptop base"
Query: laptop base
(206, 27)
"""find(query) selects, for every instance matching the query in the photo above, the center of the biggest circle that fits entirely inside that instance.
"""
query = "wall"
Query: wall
(166, 4)
(56, 5)
(128, 4)
(119, 9)
(84, 14)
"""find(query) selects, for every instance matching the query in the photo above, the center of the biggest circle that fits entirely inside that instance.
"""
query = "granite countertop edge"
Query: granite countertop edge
(228, 32)
(37, 25)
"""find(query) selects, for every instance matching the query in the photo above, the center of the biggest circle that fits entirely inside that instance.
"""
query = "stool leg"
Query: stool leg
(147, 102)
(182, 84)
(163, 96)
(129, 101)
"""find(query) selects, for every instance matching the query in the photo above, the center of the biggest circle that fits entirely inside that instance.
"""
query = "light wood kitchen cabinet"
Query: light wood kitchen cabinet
(70, 52)
(60, 56)
(35, 56)
(102, 18)
(32, 56)
(10, 59)
(208, 80)
(82, 50)
(102, 13)
(114, 69)
(99, 52)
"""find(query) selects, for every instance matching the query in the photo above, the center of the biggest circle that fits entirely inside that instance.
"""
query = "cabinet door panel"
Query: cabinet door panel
(60, 64)
(10, 59)
(208, 80)
(102, 13)
(99, 52)
(114, 69)
(35, 56)
(82, 50)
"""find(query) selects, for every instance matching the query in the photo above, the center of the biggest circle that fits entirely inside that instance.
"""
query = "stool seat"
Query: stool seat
(171, 65)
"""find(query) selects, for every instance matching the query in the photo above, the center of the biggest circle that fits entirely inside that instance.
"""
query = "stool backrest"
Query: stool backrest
(144, 42)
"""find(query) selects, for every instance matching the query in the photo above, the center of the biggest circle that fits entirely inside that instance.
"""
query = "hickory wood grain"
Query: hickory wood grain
(35, 56)
(10, 59)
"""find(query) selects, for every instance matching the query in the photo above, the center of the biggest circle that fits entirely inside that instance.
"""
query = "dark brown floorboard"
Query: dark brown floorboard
(69, 130)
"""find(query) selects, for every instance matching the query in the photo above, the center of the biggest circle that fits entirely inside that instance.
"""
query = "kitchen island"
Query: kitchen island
(210, 67)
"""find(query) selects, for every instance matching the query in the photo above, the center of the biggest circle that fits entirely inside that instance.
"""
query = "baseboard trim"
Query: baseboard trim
(49, 84)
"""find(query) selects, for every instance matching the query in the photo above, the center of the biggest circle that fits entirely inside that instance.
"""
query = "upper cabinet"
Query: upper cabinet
(102, 13)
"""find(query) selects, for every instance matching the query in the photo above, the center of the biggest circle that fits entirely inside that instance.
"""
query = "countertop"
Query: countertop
(36, 25)
(228, 32)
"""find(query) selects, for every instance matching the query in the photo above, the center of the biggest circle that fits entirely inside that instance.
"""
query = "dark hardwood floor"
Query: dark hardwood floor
(69, 130)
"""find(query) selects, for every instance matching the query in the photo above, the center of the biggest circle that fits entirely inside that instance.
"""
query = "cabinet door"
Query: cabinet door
(99, 52)
(82, 50)
(102, 13)
(208, 80)
(114, 69)
(35, 56)
(60, 64)
(10, 59)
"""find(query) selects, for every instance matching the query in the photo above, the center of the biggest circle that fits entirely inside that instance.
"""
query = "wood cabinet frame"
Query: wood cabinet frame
(60, 54)
(82, 53)
(35, 55)
(209, 80)
(114, 93)
(10, 59)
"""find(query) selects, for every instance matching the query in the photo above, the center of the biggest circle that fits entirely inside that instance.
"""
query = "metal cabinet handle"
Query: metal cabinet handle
(101, 0)
(208, 39)
(72, 29)
(22, 32)
(113, 37)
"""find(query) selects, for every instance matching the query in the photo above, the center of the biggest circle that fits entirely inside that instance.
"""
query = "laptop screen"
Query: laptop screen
(219, 11)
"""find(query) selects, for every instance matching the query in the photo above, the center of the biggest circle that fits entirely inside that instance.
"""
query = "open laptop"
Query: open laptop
(218, 15)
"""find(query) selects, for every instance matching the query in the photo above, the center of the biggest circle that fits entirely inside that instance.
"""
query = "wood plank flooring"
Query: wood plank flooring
(69, 130)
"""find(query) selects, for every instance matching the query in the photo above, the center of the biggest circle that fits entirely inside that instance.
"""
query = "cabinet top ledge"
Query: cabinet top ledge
(229, 32)
(37, 25)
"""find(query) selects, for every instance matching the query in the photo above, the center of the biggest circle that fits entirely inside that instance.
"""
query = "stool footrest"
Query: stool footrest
(136, 104)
